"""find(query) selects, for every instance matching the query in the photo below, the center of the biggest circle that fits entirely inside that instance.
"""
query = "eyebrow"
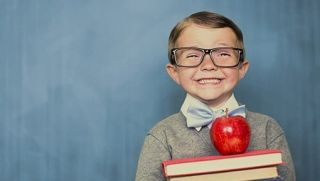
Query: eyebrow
(224, 44)
(217, 45)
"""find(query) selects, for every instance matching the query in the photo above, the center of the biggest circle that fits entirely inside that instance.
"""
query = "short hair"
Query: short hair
(207, 19)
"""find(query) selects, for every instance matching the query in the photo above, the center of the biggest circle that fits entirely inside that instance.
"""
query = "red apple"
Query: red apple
(230, 134)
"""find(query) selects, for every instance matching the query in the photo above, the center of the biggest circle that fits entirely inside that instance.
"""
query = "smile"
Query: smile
(209, 81)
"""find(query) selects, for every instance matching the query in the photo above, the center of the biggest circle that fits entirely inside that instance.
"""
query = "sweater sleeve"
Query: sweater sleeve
(153, 152)
(276, 140)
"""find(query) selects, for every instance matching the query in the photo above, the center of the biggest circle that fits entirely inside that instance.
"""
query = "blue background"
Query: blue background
(81, 82)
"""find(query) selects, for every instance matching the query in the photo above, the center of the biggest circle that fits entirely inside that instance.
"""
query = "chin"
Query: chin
(208, 98)
(212, 99)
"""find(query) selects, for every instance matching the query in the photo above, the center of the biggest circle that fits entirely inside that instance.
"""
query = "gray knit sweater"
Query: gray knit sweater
(172, 139)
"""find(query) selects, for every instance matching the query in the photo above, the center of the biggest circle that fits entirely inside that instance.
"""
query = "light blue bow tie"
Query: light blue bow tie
(202, 115)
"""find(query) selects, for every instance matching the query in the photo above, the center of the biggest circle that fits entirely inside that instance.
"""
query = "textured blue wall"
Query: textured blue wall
(82, 81)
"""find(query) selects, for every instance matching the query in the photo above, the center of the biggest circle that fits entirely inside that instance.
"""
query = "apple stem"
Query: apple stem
(227, 112)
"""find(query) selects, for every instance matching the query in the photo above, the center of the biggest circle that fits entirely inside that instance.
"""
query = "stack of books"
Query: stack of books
(252, 165)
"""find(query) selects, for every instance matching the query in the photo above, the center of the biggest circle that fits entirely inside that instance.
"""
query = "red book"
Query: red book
(213, 164)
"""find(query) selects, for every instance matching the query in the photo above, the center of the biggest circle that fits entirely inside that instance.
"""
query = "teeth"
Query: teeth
(209, 81)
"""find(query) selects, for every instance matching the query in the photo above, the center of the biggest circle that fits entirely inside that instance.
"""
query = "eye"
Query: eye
(192, 56)
(192, 53)
(224, 54)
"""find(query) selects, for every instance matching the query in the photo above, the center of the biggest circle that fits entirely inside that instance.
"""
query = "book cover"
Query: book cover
(210, 164)
(271, 179)
(264, 173)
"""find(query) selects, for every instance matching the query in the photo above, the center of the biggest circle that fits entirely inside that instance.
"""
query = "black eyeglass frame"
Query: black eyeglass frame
(207, 51)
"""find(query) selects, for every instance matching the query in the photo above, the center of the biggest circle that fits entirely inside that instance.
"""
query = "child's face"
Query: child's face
(208, 83)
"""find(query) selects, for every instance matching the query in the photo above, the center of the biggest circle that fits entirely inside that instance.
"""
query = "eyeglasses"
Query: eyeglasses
(220, 57)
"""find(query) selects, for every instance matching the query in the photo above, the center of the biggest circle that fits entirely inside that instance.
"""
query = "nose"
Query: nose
(207, 63)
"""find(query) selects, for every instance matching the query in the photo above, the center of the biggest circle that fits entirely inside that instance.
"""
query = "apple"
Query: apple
(230, 134)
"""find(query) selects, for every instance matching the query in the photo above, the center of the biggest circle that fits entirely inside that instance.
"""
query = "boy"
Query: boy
(206, 54)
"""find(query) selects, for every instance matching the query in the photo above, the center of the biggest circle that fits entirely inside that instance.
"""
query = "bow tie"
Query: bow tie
(202, 115)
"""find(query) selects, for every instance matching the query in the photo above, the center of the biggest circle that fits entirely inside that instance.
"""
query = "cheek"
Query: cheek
(233, 76)
(186, 77)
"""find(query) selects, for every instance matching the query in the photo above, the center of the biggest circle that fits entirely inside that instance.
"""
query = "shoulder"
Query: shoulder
(263, 121)
(258, 116)
(170, 124)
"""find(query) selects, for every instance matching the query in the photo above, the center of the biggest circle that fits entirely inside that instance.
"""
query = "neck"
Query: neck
(218, 103)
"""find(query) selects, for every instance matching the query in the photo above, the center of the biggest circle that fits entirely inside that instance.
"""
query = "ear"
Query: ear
(173, 72)
(243, 69)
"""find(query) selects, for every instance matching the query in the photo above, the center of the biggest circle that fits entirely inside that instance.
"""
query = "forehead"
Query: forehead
(195, 35)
